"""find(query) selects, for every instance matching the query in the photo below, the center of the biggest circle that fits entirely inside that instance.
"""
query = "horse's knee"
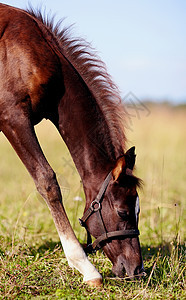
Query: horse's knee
(48, 187)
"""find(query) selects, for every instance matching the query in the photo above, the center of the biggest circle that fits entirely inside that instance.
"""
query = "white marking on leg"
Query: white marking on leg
(77, 259)
(137, 209)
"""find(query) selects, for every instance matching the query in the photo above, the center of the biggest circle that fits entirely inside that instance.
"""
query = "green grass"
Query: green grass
(32, 263)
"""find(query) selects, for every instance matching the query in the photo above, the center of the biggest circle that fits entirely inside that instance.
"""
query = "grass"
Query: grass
(32, 263)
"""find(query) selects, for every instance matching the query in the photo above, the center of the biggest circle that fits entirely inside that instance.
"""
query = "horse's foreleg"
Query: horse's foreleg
(21, 135)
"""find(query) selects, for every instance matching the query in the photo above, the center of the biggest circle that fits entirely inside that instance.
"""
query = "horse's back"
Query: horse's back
(29, 66)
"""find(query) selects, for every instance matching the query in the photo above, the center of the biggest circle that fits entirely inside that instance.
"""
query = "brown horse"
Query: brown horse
(47, 74)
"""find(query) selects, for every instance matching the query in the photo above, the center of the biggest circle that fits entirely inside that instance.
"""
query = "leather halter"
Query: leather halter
(95, 207)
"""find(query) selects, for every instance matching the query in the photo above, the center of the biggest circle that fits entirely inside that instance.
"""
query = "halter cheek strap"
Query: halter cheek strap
(96, 204)
(95, 207)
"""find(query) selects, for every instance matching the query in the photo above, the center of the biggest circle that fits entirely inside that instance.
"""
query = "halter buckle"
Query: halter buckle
(93, 205)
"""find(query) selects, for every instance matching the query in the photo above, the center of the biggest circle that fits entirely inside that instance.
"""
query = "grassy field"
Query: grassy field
(32, 263)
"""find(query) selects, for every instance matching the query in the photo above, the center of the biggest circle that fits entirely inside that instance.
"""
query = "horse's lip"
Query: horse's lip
(136, 276)
(142, 273)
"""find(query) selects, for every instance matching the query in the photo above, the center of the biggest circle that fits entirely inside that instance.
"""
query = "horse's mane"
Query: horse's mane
(94, 73)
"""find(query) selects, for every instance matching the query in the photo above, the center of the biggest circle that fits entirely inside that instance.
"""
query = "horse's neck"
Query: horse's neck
(85, 131)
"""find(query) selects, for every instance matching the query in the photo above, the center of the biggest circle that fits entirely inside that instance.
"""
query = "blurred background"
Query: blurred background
(143, 44)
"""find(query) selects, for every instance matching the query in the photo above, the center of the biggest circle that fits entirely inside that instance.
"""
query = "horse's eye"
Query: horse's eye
(123, 214)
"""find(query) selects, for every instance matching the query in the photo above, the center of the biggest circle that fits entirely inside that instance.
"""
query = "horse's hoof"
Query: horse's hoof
(97, 282)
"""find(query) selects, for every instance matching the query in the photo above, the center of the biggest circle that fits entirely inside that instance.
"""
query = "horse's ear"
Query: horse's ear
(123, 163)
(119, 167)
(130, 158)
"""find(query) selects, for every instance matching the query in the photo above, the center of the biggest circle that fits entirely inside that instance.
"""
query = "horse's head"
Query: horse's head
(117, 219)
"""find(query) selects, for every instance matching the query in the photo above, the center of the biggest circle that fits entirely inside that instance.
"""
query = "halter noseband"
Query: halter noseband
(95, 207)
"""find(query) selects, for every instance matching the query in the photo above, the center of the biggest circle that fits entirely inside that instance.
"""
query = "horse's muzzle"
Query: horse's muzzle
(121, 267)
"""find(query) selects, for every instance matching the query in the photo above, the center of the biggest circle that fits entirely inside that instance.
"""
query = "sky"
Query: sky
(142, 42)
